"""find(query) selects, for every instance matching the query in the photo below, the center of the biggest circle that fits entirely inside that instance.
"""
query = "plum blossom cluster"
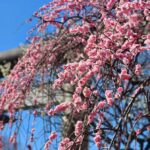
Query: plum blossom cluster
(124, 75)
(138, 68)
(98, 139)
(59, 108)
(65, 143)
(78, 128)
(95, 112)
(52, 137)
(119, 92)
(109, 99)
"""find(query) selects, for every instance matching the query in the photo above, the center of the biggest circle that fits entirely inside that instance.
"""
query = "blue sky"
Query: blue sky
(13, 16)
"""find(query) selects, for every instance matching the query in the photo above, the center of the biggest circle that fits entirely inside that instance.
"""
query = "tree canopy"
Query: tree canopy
(96, 48)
